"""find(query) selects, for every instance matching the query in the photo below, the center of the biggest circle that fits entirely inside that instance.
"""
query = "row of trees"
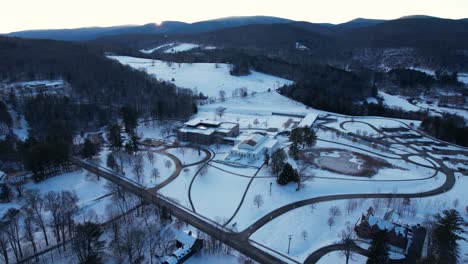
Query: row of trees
(19, 226)
(92, 76)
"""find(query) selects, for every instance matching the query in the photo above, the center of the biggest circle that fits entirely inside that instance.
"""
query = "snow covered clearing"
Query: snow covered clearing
(337, 257)
(88, 188)
(181, 47)
(439, 109)
(421, 160)
(395, 101)
(149, 51)
(208, 78)
(217, 194)
(283, 195)
(187, 155)
(313, 219)
(177, 191)
(140, 167)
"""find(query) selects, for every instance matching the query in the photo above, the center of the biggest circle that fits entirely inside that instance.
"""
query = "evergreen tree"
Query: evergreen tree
(309, 137)
(89, 149)
(114, 137)
(296, 136)
(130, 118)
(447, 231)
(294, 150)
(277, 161)
(288, 174)
(378, 250)
(111, 163)
(5, 116)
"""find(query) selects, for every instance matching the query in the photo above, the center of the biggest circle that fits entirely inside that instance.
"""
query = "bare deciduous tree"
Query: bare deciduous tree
(168, 164)
(258, 200)
(35, 206)
(155, 173)
(138, 167)
(330, 222)
(347, 240)
(150, 156)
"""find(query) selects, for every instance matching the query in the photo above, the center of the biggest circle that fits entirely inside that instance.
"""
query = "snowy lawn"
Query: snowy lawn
(217, 194)
(181, 47)
(86, 186)
(283, 195)
(187, 155)
(395, 101)
(208, 78)
(178, 189)
(164, 164)
(314, 220)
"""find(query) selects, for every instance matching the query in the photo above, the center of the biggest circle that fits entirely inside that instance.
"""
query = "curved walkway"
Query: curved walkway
(195, 176)
(448, 184)
(243, 196)
(315, 256)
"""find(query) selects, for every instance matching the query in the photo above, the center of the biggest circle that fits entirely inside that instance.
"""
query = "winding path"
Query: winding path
(446, 186)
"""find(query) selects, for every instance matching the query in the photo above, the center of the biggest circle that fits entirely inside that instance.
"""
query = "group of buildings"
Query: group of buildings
(252, 144)
(206, 132)
(368, 225)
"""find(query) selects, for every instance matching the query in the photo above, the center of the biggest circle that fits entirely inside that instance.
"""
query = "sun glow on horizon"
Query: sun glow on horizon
(57, 14)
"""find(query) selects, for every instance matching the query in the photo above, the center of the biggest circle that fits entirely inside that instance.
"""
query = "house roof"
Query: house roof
(199, 121)
(186, 237)
(385, 225)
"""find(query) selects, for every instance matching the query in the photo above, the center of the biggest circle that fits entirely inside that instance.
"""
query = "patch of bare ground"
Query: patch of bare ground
(345, 162)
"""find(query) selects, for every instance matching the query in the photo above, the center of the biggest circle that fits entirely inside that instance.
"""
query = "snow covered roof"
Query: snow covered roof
(385, 225)
(252, 141)
(199, 121)
(186, 237)
(308, 120)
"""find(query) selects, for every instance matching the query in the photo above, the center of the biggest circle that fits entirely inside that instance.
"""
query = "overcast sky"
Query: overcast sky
(44, 14)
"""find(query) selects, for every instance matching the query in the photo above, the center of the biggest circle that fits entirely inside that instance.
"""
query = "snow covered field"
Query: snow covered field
(187, 155)
(181, 47)
(395, 101)
(175, 48)
(313, 220)
(88, 188)
(224, 195)
(208, 78)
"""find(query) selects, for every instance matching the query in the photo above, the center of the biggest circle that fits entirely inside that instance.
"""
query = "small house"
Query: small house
(187, 244)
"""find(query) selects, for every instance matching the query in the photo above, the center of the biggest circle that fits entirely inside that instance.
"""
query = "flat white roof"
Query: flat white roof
(197, 121)
(308, 120)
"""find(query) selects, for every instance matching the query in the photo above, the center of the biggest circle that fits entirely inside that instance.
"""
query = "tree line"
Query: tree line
(92, 76)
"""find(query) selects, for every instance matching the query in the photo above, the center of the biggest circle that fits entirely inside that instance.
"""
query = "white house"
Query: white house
(254, 146)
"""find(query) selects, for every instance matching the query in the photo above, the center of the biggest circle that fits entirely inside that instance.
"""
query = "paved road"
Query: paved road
(197, 221)
(240, 241)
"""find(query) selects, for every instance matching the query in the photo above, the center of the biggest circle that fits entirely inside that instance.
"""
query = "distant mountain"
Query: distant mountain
(416, 16)
(82, 34)
(271, 36)
(415, 32)
(229, 22)
(360, 23)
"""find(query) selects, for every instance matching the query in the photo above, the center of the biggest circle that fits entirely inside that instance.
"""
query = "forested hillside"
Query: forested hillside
(93, 77)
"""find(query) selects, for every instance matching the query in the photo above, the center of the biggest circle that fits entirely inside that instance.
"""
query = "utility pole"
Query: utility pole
(289, 244)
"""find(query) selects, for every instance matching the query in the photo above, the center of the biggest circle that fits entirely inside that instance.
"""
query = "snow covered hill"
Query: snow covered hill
(208, 78)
